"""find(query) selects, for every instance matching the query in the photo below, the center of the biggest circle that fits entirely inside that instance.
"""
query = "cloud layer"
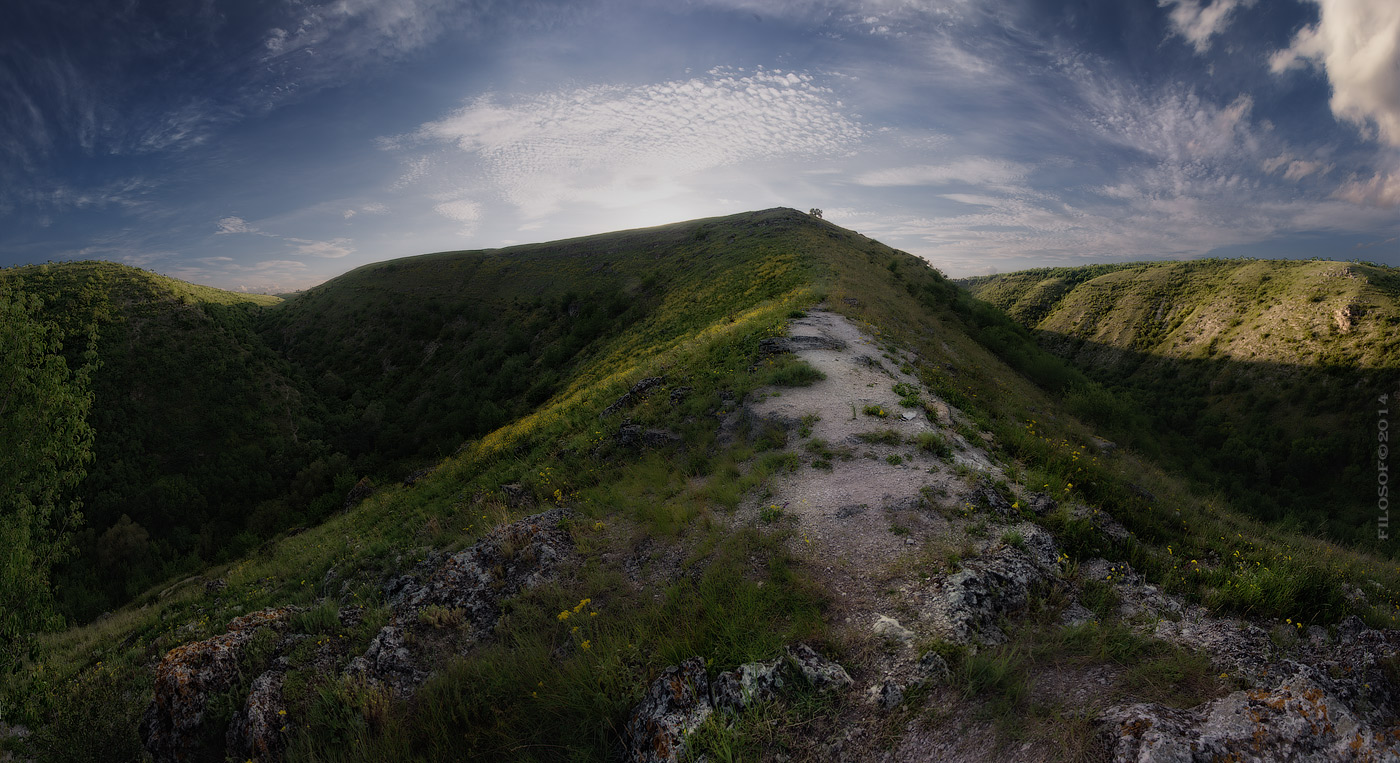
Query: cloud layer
(613, 145)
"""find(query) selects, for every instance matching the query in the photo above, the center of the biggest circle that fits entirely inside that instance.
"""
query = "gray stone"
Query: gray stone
(821, 673)
(1298, 720)
(674, 705)
(1041, 504)
(749, 683)
(887, 695)
(932, 668)
(257, 732)
(967, 604)
(891, 629)
(633, 395)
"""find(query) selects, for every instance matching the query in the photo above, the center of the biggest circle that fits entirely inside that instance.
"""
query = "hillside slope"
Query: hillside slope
(1258, 378)
(197, 422)
(793, 505)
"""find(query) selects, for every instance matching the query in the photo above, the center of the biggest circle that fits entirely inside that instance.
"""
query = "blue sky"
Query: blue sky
(269, 145)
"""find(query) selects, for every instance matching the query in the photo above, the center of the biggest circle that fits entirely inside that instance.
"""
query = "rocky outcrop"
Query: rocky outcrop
(173, 727)
(684, 697)
(1297, 720)
(471, 584)
(966, 605)
(257, 732)
(821, 673)
(362, 490)
(632, 396)
(510, 559)
(749, 683)
(674, 705)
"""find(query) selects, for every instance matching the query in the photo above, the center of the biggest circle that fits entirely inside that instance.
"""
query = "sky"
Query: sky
(269, 145)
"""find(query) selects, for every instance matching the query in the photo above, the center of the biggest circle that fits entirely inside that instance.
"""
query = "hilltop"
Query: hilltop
(737, 487)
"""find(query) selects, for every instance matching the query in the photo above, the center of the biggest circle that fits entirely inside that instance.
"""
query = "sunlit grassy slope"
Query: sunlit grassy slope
(691, 302)
(1258, 378)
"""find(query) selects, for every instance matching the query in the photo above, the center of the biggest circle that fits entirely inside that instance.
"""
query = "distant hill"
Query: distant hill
(1259, 378)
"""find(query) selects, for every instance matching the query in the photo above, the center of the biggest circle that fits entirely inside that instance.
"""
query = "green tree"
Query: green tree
(45, 442)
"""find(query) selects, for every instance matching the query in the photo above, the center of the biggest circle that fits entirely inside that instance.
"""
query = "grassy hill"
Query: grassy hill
(499, 368)
(1257, 378)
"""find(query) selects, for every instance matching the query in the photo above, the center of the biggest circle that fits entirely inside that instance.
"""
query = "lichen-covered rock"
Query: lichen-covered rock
(1299, 720)
(674, 705)
(749, 683)
(821, 673)
(987, 497)
(257, 732)
(388, 660)
(173, 726)
(967, 604)
(510, 559)
(362, 490)
(1237, 646)
(1041, 504)
(933, 669)
(887, 695)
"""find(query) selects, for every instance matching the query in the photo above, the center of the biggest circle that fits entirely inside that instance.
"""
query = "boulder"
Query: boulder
(1298, 720)
(886, 695)
(987, 497)
(633, 395)
(891, 629)
(173, 727)
(256, 732)
(749, 683)
(674, 705)
(967, 604)
(1041, 504)
(362, 490)
(510, 559)
(821, 673)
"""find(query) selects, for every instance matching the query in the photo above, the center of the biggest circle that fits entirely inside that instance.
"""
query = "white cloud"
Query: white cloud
(1198, 23)
(234, 225)
(1382, 189)
(974, 171)
(1357, 44)
(335, 248)
(461, 210)
(1293, 167)
(464, 211)
(620, 145)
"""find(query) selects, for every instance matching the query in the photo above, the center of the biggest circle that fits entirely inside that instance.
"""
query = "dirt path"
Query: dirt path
(871, 517)
(867, 517)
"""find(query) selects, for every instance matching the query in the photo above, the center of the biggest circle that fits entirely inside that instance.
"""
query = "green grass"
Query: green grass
(935, 444)
(788, 371)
